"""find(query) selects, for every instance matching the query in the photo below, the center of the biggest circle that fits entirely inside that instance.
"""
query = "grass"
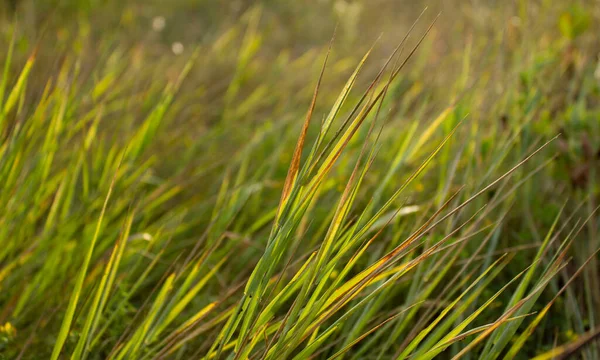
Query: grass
(264, 195)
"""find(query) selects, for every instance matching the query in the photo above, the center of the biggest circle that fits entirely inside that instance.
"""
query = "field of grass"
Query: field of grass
(333, 179)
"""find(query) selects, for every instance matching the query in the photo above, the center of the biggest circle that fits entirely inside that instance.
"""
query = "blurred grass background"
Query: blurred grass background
(206, 154)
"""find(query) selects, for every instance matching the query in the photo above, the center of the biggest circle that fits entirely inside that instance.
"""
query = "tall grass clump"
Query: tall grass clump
(236, 203)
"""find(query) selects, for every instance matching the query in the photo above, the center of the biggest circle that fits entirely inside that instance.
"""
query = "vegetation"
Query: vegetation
(186, 180)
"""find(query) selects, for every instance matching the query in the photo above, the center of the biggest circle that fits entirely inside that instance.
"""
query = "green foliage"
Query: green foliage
(574, 22)
(243, 197)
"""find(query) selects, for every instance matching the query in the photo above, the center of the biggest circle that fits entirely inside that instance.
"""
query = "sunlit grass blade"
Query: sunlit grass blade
(70, 313)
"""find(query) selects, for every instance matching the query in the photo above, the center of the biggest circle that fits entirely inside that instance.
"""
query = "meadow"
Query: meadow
(331, 179)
